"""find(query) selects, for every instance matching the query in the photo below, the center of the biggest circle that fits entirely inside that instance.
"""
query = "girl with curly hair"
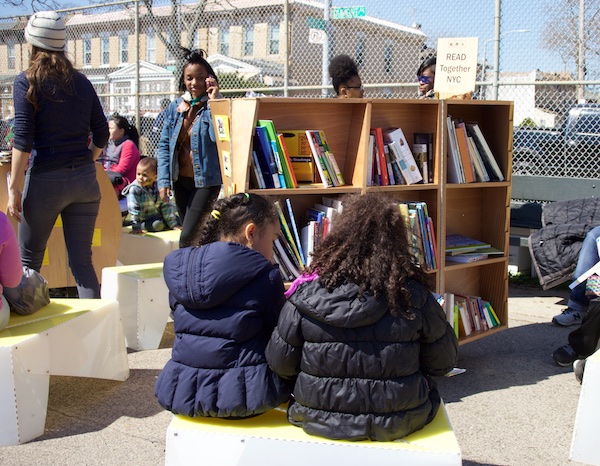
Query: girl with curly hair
(361, 334)
(344, 77)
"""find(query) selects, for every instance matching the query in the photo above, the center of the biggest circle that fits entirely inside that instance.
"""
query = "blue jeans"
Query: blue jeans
(588, 256)
(74, 194)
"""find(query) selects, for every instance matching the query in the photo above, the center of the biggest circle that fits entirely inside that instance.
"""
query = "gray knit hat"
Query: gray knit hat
(46, 30)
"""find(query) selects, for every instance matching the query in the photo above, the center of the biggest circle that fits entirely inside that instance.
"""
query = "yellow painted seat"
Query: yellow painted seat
(147, 248)
(245, 442)
(69, 337)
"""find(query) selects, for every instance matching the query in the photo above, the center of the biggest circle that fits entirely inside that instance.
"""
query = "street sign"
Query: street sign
(315, 23)
(316, 36)
(348, 12)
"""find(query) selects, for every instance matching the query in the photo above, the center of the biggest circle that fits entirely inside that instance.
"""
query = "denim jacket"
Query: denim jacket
(205, 157)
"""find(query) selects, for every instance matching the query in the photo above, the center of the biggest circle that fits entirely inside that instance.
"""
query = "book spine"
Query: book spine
(267, 148)
(257, 171)
(288, 234)
(272, 136)
(319, 162)
(385, 180)
(288, 170)
(336, 169)
(288, 204)
(463, 150)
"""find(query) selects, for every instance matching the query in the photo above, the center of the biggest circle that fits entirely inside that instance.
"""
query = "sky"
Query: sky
(520, 51)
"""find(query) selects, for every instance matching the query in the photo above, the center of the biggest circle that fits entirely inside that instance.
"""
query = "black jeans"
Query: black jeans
(74, 194)
(584, 339)
(192, 204)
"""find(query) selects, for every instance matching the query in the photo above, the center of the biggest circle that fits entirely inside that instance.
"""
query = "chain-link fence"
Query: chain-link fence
(542, 54)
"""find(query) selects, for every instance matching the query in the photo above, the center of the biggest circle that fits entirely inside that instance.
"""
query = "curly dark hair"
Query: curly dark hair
(228, 217)
(341, 70)
(195, 57)
(368, 246)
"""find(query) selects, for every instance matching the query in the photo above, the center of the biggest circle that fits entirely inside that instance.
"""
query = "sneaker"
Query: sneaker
(568, 317)
(565, 356)
(578, 368)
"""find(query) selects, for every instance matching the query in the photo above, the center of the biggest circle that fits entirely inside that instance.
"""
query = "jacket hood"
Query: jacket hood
(343, 307)
(204, 277)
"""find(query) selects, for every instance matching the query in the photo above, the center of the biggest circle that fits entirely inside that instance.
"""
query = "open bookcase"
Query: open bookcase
(479, 210)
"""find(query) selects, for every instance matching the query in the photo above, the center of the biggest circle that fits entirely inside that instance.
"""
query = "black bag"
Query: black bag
(30, 295)
(114, 177)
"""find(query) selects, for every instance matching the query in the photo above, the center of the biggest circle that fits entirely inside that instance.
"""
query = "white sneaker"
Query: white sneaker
(568, 317)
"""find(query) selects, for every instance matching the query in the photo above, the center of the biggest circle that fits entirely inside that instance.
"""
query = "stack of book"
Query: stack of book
(461, 248)
(271, 162)
(327, 166)
(391, 161)
(470, 158)
(468, 314)
(421, 234)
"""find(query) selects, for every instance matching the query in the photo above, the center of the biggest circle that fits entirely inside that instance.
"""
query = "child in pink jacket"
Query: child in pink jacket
(11, 269)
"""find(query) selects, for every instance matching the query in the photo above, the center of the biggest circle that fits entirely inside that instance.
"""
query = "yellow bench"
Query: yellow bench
(143, 300)
(69, 337)
(584, 442)
(270, 438)
(147, 248)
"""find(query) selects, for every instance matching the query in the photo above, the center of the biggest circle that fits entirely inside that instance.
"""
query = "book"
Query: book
(467, 258)
(287, 163)
(463, 150)
(331, 158)
(370, 161)
(449, 308)
(423, 153)
(285, 260)
(294, 226)
(266, 150)
(464, 318)
(394, 168)
(319, 157)
(269, 127)
(489, 160)
(480, 170)
(455, 171)
(304, 168)
(381, 163)
(257, 171)
(388, 162)
(460, 244)
(307, 239)
(287, 234)
(395, 138)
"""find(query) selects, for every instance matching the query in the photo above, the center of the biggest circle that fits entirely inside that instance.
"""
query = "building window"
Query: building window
(360, 51)
(104, 49)
(169, 57)
(274, 39)
(387, 59)
(249, 40)
(10, 55)
(224, 41)
(151, 45)
(87, 50)
(124, 47)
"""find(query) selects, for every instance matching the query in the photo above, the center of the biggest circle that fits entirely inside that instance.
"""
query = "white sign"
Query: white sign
(316, 36)
(456, 66)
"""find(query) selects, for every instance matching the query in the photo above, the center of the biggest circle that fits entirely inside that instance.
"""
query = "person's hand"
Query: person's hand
(212, 87)
(165, 194)
(178, 227)
(14, 206)
(137, 232)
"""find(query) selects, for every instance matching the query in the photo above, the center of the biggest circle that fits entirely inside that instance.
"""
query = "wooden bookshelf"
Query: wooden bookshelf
(479, 210)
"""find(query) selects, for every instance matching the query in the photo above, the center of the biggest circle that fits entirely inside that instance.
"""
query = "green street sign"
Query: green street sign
(348, 12)
(315, 23)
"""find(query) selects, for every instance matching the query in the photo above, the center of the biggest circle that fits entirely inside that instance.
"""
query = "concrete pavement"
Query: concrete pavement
(512, 406)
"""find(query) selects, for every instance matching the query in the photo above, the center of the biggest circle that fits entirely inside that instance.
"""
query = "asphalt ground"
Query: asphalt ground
(512, 406)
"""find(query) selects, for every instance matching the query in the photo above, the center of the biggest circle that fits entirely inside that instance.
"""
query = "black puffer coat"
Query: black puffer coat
(555, 247)
(226, 300)
(361, 373)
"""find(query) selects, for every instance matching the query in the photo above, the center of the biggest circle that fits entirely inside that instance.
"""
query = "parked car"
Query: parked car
(562, 151)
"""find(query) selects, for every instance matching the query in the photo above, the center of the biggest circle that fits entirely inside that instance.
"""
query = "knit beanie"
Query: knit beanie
(46, 30)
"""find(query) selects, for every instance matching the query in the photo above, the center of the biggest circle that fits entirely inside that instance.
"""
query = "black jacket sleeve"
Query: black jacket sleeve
(284, 350)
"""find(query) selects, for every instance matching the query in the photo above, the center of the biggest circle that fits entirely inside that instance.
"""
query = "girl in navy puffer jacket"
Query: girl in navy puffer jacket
(226, 296)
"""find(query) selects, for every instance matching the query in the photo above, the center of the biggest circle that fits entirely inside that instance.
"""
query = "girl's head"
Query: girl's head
(247, 219)
(344, 77)
(368, 246)
(196, 70)
(426, 75)
(119, 127)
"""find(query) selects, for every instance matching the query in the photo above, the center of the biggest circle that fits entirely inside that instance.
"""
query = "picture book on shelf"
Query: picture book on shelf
(487, 156)
(455, 169)
(328, 178)
(399, 147)
(303, 164)
(423, 153)
(264, 151)
(460, 244)
(379, 155)
(463, 150)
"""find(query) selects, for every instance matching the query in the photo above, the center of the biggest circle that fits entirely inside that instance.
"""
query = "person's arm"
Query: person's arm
(16, 183)
(11, 269)
(284, 350)
(163, 181)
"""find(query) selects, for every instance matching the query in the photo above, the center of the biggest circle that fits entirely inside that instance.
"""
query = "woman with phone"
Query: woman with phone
(188, 162)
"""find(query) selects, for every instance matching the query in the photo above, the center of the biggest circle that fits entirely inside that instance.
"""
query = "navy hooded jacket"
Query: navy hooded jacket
(226, 300)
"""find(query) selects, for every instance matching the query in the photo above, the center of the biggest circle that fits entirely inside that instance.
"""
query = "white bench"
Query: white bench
(584, 444)
(143, 300)
(252, 442)
(147, 248)
(69, 337)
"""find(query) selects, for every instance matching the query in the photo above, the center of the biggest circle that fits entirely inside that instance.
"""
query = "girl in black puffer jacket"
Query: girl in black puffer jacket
(361, 333)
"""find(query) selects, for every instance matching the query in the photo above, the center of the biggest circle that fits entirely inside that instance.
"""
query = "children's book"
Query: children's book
(319, 156)
(460, 244)
(398, 144)
(266, 150)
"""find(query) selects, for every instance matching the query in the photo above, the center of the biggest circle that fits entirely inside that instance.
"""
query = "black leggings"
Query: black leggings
(584, 339)
(192, 204)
